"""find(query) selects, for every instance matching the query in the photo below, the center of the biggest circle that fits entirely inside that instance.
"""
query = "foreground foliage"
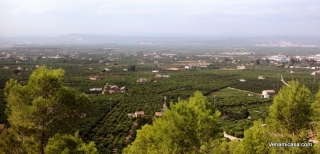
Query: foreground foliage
(65, 144)
(288, 122)
(187, 127)
(39, 110)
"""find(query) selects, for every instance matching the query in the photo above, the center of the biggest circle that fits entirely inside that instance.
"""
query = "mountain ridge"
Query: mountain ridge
(76, 38)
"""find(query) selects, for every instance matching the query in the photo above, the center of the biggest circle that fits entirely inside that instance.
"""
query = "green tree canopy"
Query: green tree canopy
(288, 122)
(42, 108)
(68, 144)
(255, 140)
(291, 109)
(187, 127)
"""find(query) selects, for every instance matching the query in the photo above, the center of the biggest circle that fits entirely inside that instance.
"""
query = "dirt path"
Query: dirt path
(230, 137)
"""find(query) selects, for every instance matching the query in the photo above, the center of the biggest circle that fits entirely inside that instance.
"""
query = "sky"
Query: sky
(154, 17)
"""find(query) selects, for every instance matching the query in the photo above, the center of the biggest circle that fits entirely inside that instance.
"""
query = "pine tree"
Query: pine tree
(42, 108)
(291, 110)
(288, 121)
(187, 127)
(66, 144)
(255, 140)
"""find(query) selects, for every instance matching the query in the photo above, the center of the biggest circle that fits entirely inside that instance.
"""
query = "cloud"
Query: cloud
(263, 13)
(161, 16)
(28, 10)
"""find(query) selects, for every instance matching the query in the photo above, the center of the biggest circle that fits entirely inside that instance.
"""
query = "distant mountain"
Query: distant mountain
(163, 39)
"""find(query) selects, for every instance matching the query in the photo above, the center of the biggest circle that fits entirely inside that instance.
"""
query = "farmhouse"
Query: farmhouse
(267, 93)
(142, 80)
(162, 76)
(115, 89)
(158, 114)
(315, 73)
(139, 114)
(172, 69)
(105, 70)
(241, 67)
(95, 77)
(95, 89)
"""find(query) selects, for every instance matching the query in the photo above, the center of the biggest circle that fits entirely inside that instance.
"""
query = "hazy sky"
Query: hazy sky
(201, 17)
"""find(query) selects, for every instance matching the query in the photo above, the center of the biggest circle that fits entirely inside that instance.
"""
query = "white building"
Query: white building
(267, 93)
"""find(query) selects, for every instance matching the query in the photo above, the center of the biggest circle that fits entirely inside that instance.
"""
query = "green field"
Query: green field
(228, 92)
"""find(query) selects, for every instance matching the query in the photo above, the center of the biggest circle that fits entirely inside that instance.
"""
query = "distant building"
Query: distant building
(142, 80)
(115, 89)
(139, 114)
(279, 58)
(266, 96)
(155, 71)
(315, 73)
(172, 69)
(267, 93)
(241, 67)
(95, 89)
(95, 77)
(106, 69)
(158, 114)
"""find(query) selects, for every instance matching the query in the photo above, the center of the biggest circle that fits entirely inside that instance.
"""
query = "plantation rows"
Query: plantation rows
(111, 130)
(238, 113)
